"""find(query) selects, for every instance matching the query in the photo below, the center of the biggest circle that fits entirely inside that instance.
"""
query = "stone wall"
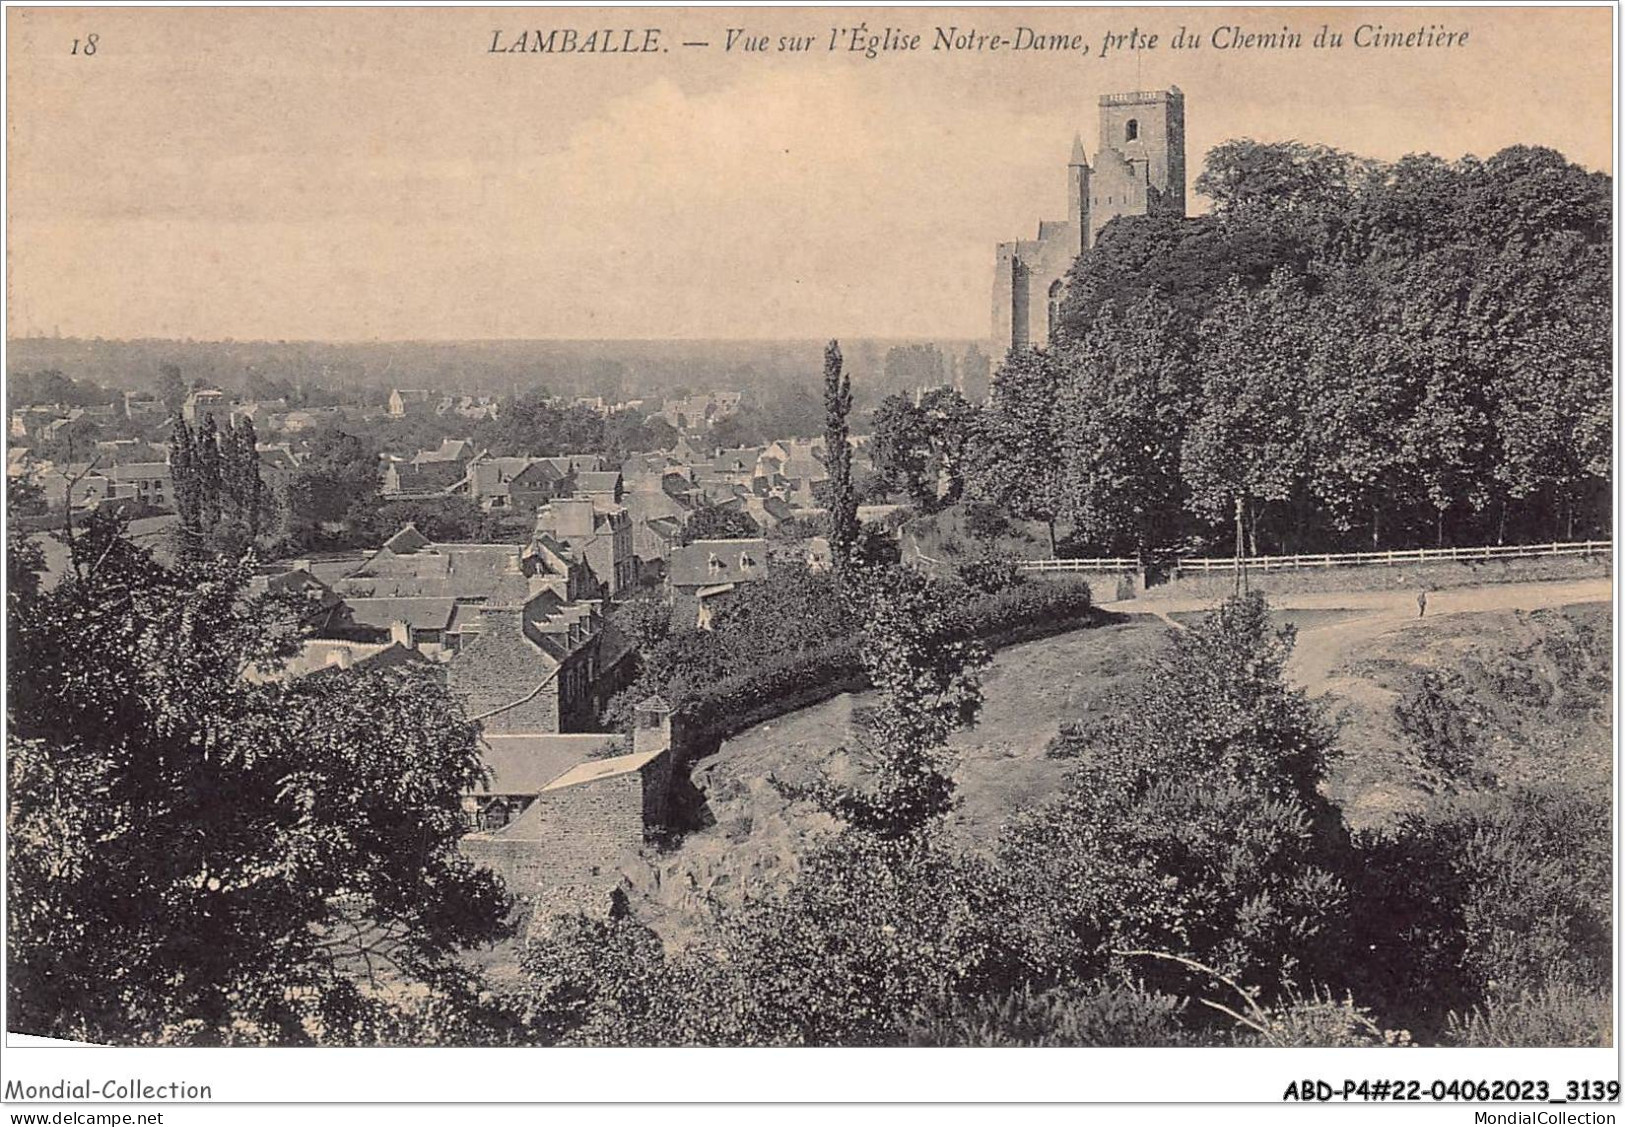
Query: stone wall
(574, 835)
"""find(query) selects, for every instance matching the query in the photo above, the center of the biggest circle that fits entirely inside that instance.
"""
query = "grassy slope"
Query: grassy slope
(1530, 715)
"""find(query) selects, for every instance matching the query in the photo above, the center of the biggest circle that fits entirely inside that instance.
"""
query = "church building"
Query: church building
(1139, 169)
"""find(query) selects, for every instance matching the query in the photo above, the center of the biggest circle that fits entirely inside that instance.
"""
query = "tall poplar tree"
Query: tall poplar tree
(843, 505)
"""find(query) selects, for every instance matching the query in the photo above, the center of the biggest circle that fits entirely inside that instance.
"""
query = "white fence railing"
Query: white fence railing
(1105, 563)
(1340, 559)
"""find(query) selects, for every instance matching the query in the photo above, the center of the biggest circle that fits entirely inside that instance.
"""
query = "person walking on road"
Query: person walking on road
(1422, 602)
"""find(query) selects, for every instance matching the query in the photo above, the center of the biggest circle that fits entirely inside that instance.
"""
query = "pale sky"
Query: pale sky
(372, 173)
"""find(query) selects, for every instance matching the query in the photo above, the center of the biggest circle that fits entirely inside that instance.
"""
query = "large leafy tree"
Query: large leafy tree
(922, 448)
(1123, 410)
(925, 665)
(1363, 394)
(1246, 445)
(901, 449)
(715, 522)
(341, 472)
(534, 424)
(201, 853)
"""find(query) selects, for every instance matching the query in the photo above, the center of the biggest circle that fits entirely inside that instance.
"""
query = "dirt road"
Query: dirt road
(1322, 648)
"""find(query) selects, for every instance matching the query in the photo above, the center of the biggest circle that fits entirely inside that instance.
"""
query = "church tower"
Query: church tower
(1139, 169)
(1145, 131)
(1077, 195)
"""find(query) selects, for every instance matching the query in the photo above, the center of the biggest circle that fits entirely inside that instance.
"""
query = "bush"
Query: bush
(1090, 1014)
(872, 932)
(1436, 715)
(985, 522)
(1556, 1016)
(1208, 869)
(990, 574)
(1193, 825)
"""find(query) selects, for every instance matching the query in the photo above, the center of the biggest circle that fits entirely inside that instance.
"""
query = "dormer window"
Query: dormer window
(715, 564)
(746, 563)
(1131, 131)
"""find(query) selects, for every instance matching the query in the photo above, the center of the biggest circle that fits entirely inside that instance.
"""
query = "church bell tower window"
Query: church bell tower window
(1131, 131)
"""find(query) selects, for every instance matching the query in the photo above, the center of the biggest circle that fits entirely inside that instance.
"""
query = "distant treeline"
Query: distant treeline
(362, 373)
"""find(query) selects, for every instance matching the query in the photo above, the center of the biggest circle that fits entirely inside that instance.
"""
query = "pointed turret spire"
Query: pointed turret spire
(1078, 159)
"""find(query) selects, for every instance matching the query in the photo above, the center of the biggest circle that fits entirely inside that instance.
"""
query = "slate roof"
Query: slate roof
(598, 481)
(742, 460)
(418, 613)
(430, 570)
(451, 450)
(691, 566)
(407, 540)
(580, 463)
(493, 475)
(666, 528)
(140, 471)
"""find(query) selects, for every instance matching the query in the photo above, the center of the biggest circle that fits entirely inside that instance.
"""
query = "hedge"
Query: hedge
(726, 707)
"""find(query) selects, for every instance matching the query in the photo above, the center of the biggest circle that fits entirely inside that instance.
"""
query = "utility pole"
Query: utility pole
(1241, 559)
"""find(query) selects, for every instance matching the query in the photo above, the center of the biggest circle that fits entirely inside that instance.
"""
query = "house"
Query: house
(259, 411)
(419, 624)
(202, 403)
(150, 482)
(319, 598)
(700, 412)
(737, 467)
(605, 484)
(537, 484)
(658, 519)
(527, 666)
(419, 479)
(578, 463)
(410, 565)
(53, 429)
(304, 419)
(691, 451)
(405, 401)
(705, 573)
(474, 407)
(520, 766)
(112, 451)
(516, 627)
(557, 813)
(88, 487)
(322, 656)
(488, 480)
(459, 451)
(769, 511)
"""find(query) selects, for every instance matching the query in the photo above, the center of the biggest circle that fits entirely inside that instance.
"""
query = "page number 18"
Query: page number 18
(89, 45)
